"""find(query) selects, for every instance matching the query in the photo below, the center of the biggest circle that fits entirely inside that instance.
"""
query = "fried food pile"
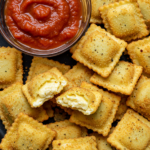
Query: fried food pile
(98, 91)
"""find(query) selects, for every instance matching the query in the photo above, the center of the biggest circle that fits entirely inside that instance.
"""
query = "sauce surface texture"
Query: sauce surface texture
(43, 24)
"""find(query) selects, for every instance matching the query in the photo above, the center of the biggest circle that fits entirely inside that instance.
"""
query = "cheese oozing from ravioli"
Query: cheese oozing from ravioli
(48, 90)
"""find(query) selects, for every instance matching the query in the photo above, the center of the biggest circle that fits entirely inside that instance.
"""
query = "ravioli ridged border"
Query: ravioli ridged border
(106, 71)
(143, 32)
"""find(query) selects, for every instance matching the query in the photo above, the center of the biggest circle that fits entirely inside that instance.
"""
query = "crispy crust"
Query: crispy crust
(139, 99)
(48, 64)
(65, 130)
(12, 97)
(123, 78)
(137, 16)
(102, 66)
(144, 6)
(95, 15)
(122, 108)
(140, 54)
(102, 120)
(73, 144)
(60, 124)
(102, 143)
(74, 47)
(11, 137)
(19, 67)
(32, 88)
(78, 74)
(132, 132)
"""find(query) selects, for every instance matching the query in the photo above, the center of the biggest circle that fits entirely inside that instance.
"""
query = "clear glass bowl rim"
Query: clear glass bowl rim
(51, 52)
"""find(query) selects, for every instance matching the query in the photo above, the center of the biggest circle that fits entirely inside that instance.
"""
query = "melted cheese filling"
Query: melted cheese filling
(76, 101)
(48, 90)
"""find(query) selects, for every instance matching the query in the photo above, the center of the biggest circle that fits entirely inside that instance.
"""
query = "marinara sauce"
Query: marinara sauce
(43, 24)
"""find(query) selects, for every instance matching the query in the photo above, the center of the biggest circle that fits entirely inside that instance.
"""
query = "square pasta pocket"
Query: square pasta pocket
(139, 52)
(95, 15)
(86, 143)
(27, 134)
(131, 133)
(78, 74)
(144, 6)
(13, 102)
(124, 20)
(102, 119)
(40, 65)
(99, 50)
(11, 69)
(139, 100)
(123, 78)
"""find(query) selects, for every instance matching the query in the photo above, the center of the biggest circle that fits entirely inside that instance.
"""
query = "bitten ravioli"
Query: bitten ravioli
(132, 132)
(80, 99)
(102, 119)
(139, 100)
(99, 50)
(13, 102)
(139, 52)
(41, 65)
(44, 86)
(11, 69)
(86, 143)
(27, 133)
(95, 15)
(124, 20)
(123, 78)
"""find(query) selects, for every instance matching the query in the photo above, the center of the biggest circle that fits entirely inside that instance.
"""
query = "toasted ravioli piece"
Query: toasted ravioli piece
(41, 65)
(122, 79)
(13, 102)
(122, 108)
(95, 15)
(102, 143)
(102, 119)
(132, 132)
(11, 69)
(82, 40)
(86, 143)
(144, 6)
(124, 20)
(139, 100)
(139, 52)
(99, 50)
(80, 99)
(60, 124)
(65, 130)
(27, 133)
(44, 86)
(78, 74)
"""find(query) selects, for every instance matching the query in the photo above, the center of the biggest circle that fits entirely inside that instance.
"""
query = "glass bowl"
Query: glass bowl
(86, 11)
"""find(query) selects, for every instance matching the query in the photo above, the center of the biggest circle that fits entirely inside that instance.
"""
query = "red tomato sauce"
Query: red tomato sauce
(43, 24)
